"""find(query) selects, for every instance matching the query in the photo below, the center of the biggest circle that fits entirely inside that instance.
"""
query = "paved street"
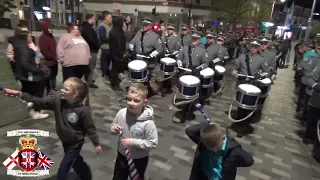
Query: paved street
(278, 152)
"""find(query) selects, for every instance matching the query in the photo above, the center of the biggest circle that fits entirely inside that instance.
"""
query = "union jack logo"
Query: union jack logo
(44, 161)
(28, 160)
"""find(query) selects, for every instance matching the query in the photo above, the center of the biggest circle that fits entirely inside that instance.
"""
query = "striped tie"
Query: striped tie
(133, 173)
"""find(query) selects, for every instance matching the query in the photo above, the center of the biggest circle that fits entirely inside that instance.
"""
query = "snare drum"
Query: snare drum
(264, 86)
(138, 71)
(218, 76)
(247, 96)
(167, 65)
(207, 77)
(188, 86)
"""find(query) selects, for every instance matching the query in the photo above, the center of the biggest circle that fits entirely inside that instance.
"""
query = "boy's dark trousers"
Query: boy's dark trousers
(121, 169)
(73, 159)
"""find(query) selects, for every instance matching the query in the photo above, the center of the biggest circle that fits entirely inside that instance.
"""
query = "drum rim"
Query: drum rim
(169, 63)
(206, 75)
(131, 62)
(242, 90)
(194, 85)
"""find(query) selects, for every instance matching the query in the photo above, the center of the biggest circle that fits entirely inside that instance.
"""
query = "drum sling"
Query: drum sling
(190, 66)
(248, 65)
(141, 41)
(182, 40)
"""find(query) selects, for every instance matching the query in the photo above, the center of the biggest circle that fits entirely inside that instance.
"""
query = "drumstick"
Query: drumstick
(199, 108)
(185, 69)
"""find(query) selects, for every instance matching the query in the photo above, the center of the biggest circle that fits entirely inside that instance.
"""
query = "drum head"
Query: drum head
(220, 69)
(168, 61)
(207, 72)
(137, 65)
(189, 80)
(249, 89)
(266, 81)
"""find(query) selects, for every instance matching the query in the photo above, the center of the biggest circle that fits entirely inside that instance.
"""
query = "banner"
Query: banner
(33, 132)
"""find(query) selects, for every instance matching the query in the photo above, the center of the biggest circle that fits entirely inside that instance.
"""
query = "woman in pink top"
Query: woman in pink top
(73, 53)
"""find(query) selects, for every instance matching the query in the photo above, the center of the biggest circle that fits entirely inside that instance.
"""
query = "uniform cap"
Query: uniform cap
(210, 34)
(255, 43)
(196, 34)
(245, 38)
(184, 27)
(171, 26)
(193, 28)
(264, 39)
(220, 38)
(147, 21)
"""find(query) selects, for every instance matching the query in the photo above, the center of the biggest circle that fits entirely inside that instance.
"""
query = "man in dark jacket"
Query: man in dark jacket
(217, 156)
(90, 35)
(48, 46)
(117, 49)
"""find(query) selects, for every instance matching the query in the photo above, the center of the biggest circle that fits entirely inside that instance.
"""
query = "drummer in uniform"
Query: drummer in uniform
(219, 51)
(147, 43)
(244, 46)
(269, 56)
(193, 57)
(172, 46)
(185, 35)
(210, 45)
(256, 65)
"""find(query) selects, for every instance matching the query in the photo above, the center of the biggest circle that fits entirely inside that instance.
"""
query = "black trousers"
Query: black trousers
(313, 118)
(301, 96)
(166, 85)
(73, 159)
(74, 71)
(13, 68)
(34, 88)
(116, 69)
(121, 168)
(51, 80)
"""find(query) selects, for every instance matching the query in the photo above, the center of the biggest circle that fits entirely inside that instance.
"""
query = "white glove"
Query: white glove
(273, 77)
(216, 60)
(131, 47)
(154, 53)
(235, 74)
(226, 57)
(175, 52)
(179, 63)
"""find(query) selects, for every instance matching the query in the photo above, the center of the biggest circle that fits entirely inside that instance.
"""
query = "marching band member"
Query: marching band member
(172, 45)
(185, 36)
(219, 51)
(193, 57)
(270, 57)
(147, 43)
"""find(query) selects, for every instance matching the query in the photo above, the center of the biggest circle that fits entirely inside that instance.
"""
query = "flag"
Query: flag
(44, 161)
(11, 161)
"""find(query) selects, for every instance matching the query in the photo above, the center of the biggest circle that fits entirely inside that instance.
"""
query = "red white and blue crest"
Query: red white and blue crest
(28, 159)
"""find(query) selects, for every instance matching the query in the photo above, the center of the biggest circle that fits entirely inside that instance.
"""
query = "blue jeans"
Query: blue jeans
(105, 61)
(73, 159)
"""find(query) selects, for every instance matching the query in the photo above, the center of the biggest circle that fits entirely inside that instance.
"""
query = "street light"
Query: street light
(282, 1)
(310, 20)
(316, 14)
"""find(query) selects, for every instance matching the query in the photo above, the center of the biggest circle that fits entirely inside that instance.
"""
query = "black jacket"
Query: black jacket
(25, 63)
(73, 122)
(117, 39)
(90, 35)
(234, 156)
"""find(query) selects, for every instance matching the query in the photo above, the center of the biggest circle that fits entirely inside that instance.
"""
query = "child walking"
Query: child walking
(73, 123)
(138, 131)
(217, 156)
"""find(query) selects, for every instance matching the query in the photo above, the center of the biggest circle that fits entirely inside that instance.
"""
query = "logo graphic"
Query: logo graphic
(32, 162)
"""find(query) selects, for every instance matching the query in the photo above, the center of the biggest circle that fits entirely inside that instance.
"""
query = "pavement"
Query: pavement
(278, 152)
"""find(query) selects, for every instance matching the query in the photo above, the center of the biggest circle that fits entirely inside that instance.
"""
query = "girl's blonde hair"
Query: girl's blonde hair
(82, 88)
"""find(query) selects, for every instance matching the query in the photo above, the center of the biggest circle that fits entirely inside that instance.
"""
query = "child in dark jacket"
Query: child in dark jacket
(217, 156)
(73, 123)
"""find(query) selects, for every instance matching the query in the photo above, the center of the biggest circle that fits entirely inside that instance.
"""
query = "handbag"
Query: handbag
(45, 69)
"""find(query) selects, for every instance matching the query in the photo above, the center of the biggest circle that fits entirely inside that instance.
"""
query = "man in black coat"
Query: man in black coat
(117, 49)
(90, 35)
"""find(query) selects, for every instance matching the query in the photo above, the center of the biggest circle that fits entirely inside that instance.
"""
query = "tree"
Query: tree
(233, 11)
(6, 6)
(261, 12)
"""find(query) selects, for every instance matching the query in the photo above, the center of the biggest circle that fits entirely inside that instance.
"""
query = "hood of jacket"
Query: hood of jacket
(308, 54)
(45, 28)
(117, 22)
(147, 114)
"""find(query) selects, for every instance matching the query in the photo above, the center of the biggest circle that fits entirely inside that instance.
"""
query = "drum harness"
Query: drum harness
(175, 96)
(215, 61)
(230, 108)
